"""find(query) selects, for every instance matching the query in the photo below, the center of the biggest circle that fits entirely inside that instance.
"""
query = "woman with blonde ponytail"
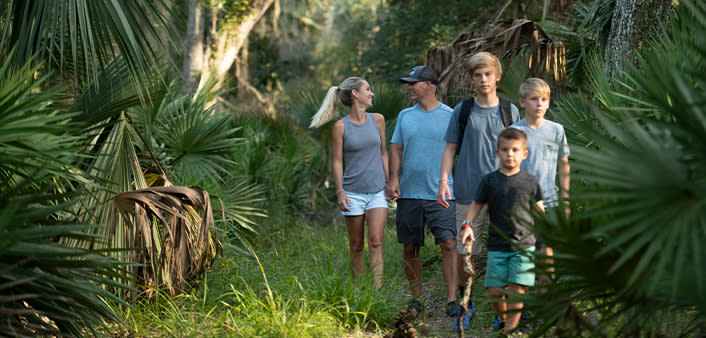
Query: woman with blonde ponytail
(358, 139)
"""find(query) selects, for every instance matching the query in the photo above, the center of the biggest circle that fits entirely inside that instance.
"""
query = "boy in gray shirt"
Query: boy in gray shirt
(547, 146)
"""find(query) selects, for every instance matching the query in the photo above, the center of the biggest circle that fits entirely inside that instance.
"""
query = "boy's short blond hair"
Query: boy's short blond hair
(485, 59)
(535, 85)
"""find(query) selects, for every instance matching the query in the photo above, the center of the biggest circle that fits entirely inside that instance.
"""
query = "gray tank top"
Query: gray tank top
(361, 156)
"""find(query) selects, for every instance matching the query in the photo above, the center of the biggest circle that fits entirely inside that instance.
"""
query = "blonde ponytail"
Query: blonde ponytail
(327, 109)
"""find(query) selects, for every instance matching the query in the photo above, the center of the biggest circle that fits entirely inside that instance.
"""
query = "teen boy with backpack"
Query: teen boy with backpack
(475, 144)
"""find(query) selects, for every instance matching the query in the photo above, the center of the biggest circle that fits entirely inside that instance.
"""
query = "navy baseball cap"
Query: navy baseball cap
(421, 73)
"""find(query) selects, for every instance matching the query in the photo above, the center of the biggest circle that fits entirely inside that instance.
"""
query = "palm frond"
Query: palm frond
(48, 288)
(83, 36)
(113, 92)
(630, 256)
(189, 136)
(31, 124)
(504, 39)
(171, 226)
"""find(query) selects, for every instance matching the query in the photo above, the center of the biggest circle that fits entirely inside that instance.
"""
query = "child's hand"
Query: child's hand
(466, 234)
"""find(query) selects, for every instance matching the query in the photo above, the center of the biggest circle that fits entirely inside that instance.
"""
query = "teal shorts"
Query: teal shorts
(510, 267)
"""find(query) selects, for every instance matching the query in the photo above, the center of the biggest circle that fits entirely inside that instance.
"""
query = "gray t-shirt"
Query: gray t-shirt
(477, 154)
(362, 157)
(421, 133)
(509, 199)
(546, 146)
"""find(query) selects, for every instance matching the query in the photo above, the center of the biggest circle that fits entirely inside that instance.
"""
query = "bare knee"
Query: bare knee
(375, 244)
(411, 251)
(448, 246)
(356, 246)
(516, 288)
(498, 293)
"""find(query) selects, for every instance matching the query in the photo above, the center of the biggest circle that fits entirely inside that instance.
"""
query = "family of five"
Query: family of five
(505, 167)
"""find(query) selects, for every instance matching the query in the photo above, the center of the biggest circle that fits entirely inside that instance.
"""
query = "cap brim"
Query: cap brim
(410, 79)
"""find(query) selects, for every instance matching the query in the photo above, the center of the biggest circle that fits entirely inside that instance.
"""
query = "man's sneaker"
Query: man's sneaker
(466, 320)
(524, 323)
(498, 324)
(452, 307)
(525, 318)
(415, 304)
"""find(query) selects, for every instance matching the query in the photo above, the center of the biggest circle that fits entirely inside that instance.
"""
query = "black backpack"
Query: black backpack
(467, 106)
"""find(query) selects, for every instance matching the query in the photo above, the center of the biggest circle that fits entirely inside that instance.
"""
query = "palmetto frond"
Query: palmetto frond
(30, 123)
(171, 229)
(46, 288)
(188, 135)
(83, 36)
(506, 38)
(634, 251)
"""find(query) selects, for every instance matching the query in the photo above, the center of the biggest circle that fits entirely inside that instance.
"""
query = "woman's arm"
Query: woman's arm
(380, 121)
(337, 151)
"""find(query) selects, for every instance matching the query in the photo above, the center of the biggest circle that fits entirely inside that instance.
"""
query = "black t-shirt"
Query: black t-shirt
(509, 199)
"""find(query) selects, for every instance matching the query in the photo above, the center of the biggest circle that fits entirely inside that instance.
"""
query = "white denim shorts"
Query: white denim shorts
(359, 203)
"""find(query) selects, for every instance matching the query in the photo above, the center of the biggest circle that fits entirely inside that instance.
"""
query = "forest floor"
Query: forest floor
(433, 322)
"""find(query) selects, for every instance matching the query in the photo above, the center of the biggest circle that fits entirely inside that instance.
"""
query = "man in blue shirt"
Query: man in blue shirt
(415, 162)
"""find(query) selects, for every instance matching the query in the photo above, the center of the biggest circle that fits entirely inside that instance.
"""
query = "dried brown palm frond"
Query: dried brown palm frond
(503, 39)
(168, 227)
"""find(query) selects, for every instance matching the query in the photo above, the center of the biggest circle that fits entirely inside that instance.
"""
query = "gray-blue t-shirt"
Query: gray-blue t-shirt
(364, 172)
(546, 146)
(421, 133)
(476, 157)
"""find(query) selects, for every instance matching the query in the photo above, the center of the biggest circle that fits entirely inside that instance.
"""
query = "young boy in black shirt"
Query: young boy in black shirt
(509, 193)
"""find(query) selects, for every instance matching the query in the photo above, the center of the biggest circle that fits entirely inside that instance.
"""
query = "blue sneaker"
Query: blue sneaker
(498, 324)
(466, 320)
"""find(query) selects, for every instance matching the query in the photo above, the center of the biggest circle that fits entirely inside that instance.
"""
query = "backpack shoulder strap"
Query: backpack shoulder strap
(466, 108)
(506, 112)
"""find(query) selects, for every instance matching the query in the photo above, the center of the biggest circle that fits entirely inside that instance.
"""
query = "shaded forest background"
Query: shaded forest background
(158, 178)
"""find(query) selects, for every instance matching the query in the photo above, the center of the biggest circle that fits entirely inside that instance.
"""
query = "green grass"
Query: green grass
(297, 283)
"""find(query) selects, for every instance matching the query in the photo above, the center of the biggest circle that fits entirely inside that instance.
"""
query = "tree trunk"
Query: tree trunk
(634, 23)
(212, 54)
(193, 53)
(231, 38)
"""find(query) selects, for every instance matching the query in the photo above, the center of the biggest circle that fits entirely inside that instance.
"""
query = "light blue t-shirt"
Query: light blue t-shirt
(421, 133)
(476, 157)
(546, 146)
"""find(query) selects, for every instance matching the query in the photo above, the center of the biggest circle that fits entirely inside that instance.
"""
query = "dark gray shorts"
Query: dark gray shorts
(412, 214)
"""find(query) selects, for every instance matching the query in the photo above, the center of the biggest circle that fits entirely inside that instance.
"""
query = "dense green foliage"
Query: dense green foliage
(628, 261)
(631, 256)
(46, 288)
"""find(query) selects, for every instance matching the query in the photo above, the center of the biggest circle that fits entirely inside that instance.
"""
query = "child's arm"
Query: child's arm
(564, 177)
(443, 193)
(466, 231)
(540, 206)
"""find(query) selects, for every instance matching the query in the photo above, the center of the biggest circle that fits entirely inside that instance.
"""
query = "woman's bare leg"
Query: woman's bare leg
(376, 218)
(356, 243)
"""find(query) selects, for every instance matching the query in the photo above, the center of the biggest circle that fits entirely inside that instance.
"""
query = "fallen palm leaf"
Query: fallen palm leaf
(169, 229)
